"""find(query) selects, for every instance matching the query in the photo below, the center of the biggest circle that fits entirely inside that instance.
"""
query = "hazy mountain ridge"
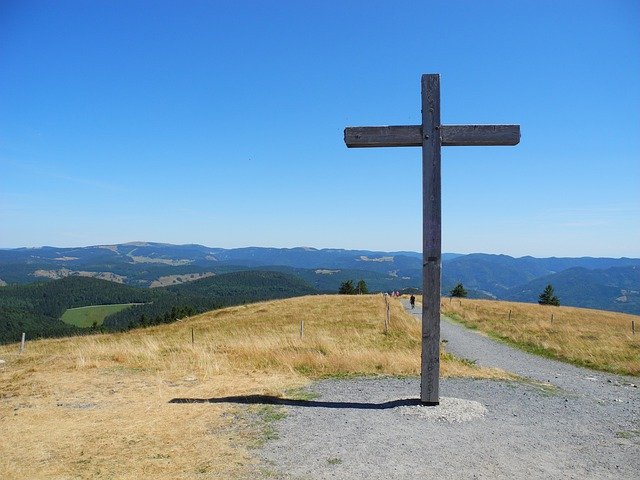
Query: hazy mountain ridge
(142, 263)
(496, 272)
(483, 275)
(602, 283)
(615, 288)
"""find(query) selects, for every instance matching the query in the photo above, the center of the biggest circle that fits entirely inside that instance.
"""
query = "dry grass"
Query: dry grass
(593, 338)
(98, 406)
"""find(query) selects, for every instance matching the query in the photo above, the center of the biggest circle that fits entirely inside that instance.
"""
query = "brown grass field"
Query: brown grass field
(592, 338)
(98, 406)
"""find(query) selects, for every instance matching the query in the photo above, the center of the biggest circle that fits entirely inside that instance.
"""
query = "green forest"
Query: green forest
(36, 309)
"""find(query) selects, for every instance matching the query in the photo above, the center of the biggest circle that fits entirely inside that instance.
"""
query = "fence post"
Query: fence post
(633, 326)
(301, 328)
(22, 342)
(193, 337)
(509, 315)
(386, 319)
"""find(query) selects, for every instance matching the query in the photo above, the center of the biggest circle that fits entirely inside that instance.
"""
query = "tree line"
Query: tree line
(347, 288)
(547, 297)
(35, 309)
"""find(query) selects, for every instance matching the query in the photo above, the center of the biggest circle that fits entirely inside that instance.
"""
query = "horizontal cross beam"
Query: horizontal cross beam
(450, 135)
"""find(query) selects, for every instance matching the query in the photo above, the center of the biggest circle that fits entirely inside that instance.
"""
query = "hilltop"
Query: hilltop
(55, 394)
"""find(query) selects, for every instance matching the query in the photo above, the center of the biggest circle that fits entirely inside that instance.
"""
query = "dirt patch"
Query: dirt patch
(178, 279)
(364, 258)
(65, 272)
(162, 261)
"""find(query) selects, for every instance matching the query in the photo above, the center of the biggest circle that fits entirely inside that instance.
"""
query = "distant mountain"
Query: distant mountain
(602, 283)
(615, 288)
(152, 264)
(328, 280)
(142, 263)
(496, 275)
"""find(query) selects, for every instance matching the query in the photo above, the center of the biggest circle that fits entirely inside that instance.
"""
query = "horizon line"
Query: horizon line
(151, 243)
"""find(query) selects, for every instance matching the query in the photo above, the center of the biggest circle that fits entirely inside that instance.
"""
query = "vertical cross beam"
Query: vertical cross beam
(431, 136)
(431, 239)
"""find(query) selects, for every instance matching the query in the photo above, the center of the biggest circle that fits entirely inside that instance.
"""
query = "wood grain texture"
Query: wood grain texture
(431, 240)
(450, 135)
(388, 136)
(480, 135)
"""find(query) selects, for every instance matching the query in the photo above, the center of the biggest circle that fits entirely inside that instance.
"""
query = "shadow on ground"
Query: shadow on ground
(270, 400)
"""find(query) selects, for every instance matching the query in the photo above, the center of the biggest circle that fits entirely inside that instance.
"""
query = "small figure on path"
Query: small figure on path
(412, 301)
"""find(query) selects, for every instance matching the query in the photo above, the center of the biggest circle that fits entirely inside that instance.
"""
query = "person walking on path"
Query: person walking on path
(412, 301)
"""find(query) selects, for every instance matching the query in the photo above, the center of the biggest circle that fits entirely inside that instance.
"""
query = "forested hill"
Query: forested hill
(249, 283)
(616, 289)
(53, 298)
(601, 283)
(36, 308)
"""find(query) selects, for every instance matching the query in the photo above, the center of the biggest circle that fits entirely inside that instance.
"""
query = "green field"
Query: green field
(85, 316)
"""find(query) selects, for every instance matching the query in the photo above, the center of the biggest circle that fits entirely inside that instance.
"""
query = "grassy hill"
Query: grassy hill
(36, 308)
(591, 338)
(100, 406)
(55, 394)
(209, 293)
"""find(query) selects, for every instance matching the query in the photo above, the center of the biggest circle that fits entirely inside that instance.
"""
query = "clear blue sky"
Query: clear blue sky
(221, 123)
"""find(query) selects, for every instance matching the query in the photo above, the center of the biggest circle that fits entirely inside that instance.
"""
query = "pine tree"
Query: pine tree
(458, 291)
(362, 287)
(346, 288)
(548, 297)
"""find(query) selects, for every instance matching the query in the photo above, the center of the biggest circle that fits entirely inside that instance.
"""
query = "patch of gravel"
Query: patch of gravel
(449, 410)
(586, 427)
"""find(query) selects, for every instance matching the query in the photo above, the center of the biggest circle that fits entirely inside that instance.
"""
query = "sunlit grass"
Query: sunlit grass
(98, 406)
(593, 338)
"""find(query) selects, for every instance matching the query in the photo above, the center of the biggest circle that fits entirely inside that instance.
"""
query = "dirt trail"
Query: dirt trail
(587, 426)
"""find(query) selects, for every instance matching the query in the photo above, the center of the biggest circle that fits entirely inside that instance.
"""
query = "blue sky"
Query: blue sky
(221, 123)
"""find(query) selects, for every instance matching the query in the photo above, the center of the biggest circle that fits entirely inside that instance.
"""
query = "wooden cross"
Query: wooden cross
(431, 135)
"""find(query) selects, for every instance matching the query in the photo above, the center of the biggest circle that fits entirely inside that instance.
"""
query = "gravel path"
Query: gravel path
(586, 428)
